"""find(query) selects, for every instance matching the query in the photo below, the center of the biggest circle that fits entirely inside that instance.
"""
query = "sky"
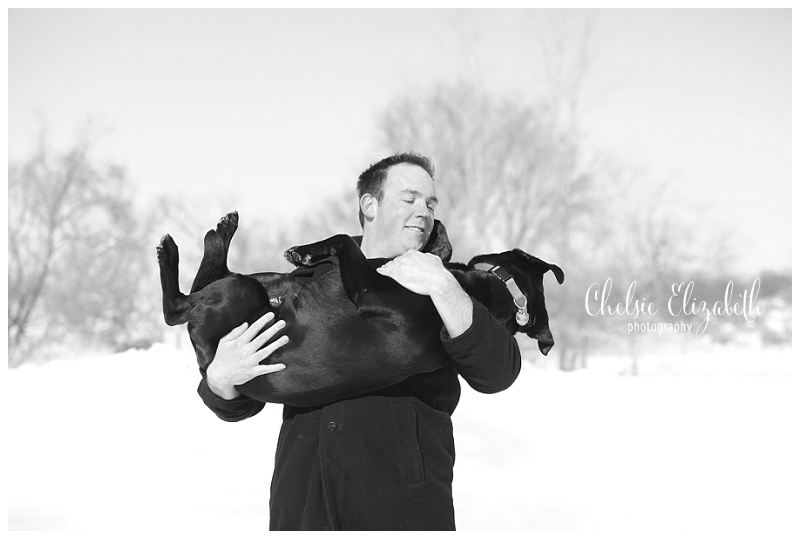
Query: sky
(274, 110)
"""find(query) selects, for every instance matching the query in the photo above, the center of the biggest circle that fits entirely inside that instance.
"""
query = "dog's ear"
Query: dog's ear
(439, 244)
(534, 270)
(542, 334)
(540, 265)
(559, 273)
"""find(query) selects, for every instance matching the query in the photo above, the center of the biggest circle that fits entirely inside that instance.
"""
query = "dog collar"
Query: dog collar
(520, 301)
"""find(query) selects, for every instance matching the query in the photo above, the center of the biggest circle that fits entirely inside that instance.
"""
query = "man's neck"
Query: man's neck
(369, 247)
(373, 248)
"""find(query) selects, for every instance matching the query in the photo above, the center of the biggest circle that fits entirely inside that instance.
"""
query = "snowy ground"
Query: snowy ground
(124, 443)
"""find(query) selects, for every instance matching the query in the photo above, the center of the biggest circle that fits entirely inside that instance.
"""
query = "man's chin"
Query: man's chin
(416, 245)
(415, 241)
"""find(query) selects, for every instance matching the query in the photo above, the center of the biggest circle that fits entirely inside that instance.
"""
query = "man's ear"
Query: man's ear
(368, 204)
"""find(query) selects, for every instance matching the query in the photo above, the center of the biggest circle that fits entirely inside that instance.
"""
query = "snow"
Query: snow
(123, 442)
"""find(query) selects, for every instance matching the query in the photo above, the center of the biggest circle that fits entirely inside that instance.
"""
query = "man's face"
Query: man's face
(404, 218)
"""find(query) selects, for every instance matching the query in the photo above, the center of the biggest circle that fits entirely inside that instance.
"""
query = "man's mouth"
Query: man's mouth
(417, 228)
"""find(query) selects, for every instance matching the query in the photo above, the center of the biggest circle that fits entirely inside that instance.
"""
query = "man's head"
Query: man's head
(397, 199)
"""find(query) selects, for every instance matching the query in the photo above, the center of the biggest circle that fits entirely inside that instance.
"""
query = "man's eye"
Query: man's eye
(407, 201)
(432, 209)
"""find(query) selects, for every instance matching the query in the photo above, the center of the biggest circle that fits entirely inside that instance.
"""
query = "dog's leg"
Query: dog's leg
(357, 272)
(214, 265)
(174, 304)
(226, 228)
(314, 253)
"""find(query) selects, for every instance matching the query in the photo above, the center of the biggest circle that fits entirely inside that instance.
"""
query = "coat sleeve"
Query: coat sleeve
(486, 355)
(228, 410)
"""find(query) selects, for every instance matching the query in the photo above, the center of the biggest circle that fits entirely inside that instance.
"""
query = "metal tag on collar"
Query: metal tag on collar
(522, 311)
(520, 301)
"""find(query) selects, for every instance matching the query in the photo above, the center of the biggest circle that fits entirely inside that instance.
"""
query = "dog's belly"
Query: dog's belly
(334, 353)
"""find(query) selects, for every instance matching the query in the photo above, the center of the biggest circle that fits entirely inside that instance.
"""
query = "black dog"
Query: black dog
(334, 350)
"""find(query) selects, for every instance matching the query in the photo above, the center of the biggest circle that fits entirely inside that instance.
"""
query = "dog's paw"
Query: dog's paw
(294, 257)
(228, 225)
(167, 251)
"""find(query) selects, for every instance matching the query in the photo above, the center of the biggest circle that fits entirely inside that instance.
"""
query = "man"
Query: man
(383, 460)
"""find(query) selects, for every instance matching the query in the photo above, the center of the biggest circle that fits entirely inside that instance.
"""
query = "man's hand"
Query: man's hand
(424, 274)
(238, 356)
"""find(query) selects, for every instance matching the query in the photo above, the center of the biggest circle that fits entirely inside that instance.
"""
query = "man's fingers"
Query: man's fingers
(235, 333)
(267, 335)
(265, 352)
(268, 369)
(256, 327)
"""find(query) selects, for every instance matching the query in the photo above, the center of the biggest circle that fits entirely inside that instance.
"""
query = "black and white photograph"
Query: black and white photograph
(400, 269)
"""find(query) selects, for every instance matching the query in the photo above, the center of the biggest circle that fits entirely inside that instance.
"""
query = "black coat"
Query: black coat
(383, 460)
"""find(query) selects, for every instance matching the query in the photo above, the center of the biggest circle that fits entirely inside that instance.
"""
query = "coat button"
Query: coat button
(332, 426)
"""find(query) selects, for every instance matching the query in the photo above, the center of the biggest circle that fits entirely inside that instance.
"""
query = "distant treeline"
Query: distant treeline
(83, 271)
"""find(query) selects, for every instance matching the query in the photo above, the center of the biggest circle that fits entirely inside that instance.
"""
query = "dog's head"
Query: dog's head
(528, 273)
(439, 243)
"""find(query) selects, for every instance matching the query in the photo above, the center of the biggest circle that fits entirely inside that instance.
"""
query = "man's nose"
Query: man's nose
(421, 210)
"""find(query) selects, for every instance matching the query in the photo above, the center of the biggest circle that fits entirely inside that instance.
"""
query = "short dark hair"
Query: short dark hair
(371, 180)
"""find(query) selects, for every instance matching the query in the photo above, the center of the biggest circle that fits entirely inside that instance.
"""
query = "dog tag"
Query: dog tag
(522, 318)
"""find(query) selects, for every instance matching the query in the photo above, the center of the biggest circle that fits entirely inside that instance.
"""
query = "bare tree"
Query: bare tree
(655, 242)
(514, 172)
(565, 39)
(511, 178)
(76, 252)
